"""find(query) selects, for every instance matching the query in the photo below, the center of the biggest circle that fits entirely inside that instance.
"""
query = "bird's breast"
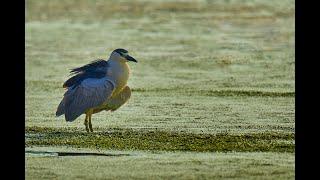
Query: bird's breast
(120, 74)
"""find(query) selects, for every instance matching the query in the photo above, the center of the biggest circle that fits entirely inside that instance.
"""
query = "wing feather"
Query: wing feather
(90, 93)
(95, 69)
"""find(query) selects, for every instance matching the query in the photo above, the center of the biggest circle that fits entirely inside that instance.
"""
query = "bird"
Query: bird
(97, 86)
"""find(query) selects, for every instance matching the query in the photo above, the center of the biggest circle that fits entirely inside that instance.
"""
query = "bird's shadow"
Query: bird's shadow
(55, 153)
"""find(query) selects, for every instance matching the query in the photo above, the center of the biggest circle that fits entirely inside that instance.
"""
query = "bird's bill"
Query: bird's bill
(129, 58)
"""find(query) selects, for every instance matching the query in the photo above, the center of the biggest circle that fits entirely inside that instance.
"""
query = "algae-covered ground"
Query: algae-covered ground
(213, 92)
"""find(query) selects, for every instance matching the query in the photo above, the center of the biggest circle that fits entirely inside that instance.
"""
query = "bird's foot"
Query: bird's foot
(87, 126)
(90, 127)
(87, 129)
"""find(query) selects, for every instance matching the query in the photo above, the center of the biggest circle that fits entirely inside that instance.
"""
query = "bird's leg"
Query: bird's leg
(90, 124)
(86, 123)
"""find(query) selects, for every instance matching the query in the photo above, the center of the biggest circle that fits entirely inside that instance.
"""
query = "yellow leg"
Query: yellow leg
(86, 123)
(90, 124)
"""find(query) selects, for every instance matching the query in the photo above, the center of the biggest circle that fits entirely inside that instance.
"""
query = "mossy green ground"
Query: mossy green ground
(213, 92)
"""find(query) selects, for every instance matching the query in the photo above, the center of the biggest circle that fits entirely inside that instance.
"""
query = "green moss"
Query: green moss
(128, 139)
(220, 92)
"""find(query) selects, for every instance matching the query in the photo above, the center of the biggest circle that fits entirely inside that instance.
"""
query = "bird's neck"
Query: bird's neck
(119, 72)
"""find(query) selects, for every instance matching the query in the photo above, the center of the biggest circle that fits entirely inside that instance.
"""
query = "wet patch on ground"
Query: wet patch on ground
(57, 153)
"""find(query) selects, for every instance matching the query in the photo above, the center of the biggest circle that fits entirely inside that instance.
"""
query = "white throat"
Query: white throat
(119, 73)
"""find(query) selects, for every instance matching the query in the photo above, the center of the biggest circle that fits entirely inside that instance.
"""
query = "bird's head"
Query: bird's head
(121, 55)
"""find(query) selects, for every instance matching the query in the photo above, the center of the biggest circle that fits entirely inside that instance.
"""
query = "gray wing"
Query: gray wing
(90, 93)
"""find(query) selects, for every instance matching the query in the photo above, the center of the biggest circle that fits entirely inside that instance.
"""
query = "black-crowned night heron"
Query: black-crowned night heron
(97, 86)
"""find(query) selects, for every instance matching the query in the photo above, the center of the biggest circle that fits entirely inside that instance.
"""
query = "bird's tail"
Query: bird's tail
(61, 109)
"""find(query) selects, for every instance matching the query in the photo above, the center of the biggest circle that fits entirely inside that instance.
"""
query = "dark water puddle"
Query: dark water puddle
(47, 153)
